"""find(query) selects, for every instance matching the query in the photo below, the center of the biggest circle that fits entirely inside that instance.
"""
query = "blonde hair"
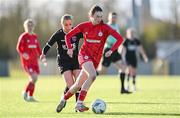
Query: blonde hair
(129, 32)
(26, 24)
(66, 17)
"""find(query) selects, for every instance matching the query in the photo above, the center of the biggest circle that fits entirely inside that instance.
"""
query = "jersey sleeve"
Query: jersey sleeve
(20, 45)
(117, 36)
(69, 35)
(125, 43)
(138, 42)
(39, 48)
(50, 43)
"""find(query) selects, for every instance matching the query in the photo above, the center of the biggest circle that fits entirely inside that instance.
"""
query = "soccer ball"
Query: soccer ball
(98, 106)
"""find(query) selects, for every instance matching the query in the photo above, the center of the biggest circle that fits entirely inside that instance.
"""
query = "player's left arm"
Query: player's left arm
(142, 52)
(39, 52)
(117, 36)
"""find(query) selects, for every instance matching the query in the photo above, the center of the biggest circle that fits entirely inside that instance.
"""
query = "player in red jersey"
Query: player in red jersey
(29, 50)
(95, 33)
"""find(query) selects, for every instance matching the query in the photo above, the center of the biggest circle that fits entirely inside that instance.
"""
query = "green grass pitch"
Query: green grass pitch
(156, 97)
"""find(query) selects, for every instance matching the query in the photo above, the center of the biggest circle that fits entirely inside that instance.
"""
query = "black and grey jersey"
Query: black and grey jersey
(131, 47)
(59, 38)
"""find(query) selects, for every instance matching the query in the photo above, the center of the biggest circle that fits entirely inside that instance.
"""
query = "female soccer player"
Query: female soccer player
(130, 47)
(69, 67)
(95, 33)
(29, 50)
(115, 56)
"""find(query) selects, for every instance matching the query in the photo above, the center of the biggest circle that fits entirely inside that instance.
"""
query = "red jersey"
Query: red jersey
(28, 43)
(94, 40)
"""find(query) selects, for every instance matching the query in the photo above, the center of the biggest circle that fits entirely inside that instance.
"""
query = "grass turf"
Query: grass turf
(156, 97)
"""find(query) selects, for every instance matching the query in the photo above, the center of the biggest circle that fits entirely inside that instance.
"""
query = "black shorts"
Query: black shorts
(65, 65)
(131, 61)
(115, 56)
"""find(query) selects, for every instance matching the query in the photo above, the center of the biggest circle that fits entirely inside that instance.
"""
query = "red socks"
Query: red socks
(30, 88)
(68, 95)
(82, 95)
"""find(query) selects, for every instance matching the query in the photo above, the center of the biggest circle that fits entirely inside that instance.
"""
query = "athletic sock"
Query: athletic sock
(77, 94)
(134, 79)
(68, 95)
(27, 87)
(31, 89)
(82, 95)
(128, 78)
(122, 77)
(66, 90)
(128, 82)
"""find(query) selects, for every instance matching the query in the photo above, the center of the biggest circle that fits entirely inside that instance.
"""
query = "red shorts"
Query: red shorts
(31, 68)
(85, 58)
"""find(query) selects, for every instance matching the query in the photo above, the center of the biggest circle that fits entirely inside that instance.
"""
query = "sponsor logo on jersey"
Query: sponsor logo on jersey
(32, 46)
(132, 47)
(74, 38)
(65, 47)
(93, 41)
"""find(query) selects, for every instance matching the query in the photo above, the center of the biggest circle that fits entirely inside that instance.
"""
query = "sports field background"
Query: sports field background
(156, 97)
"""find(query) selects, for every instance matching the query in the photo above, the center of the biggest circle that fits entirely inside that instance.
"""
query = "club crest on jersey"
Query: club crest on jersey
(28, 40)
(74, 38)
(86, 57)
(100, 34)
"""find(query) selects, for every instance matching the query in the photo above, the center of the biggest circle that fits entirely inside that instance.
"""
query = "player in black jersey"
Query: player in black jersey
(69, 67)
(130, 48)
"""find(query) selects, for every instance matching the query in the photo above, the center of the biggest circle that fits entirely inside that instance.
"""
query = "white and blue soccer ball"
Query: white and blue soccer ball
(98, 106)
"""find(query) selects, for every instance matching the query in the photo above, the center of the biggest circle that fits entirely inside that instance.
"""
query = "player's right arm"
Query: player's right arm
(48, 45)
(21, 47)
